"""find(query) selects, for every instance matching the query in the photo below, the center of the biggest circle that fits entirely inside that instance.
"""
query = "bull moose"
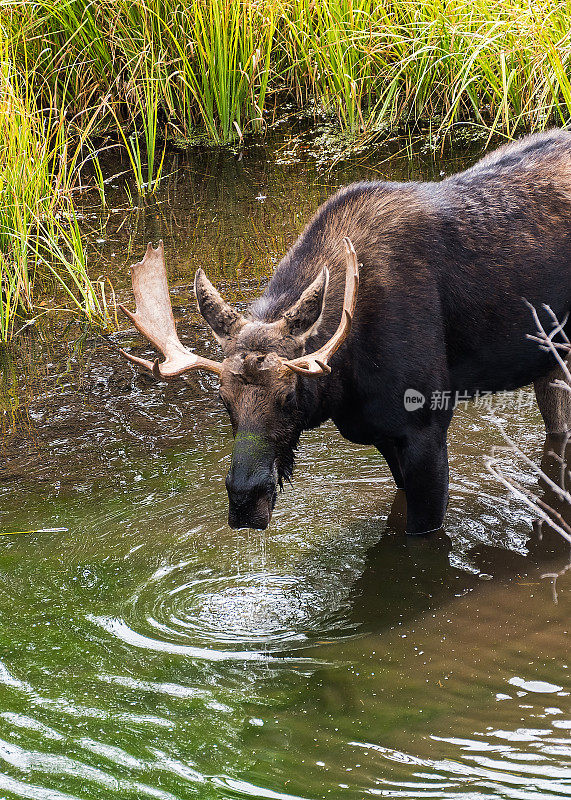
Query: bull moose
(391, 289)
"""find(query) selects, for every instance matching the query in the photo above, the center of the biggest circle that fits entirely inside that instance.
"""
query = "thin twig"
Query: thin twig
(546, 341)
(545, 512)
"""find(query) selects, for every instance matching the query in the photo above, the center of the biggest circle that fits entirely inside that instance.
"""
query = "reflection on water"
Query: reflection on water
(149, 651)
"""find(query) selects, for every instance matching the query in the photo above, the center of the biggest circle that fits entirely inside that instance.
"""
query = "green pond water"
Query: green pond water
(150, 652)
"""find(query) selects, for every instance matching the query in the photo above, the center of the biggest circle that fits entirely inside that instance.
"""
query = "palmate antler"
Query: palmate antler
(154, 319)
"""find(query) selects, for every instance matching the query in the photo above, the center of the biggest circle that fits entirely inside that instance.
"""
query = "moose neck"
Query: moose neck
(318, 396)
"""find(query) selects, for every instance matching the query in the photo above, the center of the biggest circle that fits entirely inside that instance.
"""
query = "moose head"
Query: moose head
(261, 376)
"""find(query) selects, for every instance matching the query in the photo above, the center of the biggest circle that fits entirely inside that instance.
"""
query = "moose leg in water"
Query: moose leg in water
(554, 403)
(424, 459)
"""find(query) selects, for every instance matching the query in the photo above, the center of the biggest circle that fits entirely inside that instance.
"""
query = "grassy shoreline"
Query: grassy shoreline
(149, 71)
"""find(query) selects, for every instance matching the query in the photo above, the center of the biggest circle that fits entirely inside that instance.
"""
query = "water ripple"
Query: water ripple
(122, 631)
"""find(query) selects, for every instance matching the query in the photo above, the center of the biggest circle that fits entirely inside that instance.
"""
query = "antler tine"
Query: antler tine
(154, 319)
(315, 364)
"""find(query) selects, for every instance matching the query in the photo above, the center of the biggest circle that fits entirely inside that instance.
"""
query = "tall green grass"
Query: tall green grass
(208, 65)
(40, 242)
(502, 64)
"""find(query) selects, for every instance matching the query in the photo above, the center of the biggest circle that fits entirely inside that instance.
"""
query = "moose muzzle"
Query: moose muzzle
(251, 482)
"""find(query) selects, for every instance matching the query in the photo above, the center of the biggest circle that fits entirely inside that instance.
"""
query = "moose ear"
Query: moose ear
(224, 320)
(303, 318)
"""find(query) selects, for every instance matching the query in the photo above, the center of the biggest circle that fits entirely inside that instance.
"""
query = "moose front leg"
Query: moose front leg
(424, 461)
(388, 449)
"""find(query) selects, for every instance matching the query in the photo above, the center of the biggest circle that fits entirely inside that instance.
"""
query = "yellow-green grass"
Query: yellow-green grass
(208, 65)
(40, 241)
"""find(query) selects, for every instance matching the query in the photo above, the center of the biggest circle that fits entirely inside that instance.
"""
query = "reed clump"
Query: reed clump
(209, 66)
(40, 241)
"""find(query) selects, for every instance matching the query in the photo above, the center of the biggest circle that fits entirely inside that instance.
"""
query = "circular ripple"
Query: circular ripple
(257, 610)
(252, 608)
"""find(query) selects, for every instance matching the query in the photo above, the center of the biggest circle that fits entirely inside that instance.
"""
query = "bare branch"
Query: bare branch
(546, 342)
(560, 351)
(531, 500)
